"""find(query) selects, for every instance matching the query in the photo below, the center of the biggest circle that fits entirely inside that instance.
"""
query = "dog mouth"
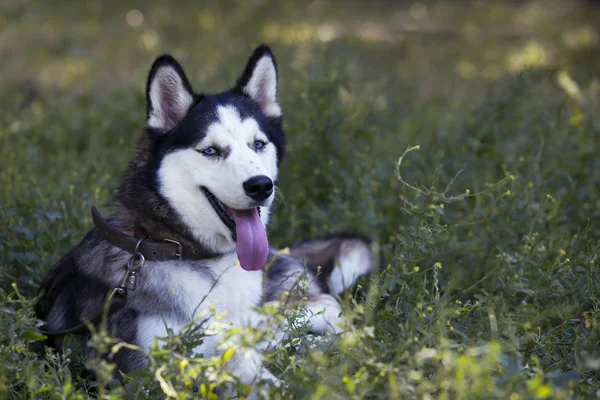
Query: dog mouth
(247, 231)
(220, 208)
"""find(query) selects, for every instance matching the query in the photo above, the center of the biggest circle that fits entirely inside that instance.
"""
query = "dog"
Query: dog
(188, 233)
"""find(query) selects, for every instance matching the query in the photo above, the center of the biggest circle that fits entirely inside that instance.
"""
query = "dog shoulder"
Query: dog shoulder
(63, 302)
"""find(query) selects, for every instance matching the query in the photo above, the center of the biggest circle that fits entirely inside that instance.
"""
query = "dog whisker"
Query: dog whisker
(279, 198)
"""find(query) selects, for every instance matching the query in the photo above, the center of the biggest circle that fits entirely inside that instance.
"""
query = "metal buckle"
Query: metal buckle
(179, 251)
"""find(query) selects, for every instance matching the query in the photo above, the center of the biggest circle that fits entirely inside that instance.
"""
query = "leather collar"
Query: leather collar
(152, 250)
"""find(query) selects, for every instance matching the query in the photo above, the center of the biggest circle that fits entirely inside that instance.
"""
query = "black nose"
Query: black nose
(259, 187)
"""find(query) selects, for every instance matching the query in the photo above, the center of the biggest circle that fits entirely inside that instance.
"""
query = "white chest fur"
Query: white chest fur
(191, 289)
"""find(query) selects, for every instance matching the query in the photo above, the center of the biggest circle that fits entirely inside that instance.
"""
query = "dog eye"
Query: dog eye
(209, 151)
(259, 144)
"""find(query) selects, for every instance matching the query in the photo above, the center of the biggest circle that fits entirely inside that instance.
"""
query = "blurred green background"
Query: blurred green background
(105, 45)
(501, 97)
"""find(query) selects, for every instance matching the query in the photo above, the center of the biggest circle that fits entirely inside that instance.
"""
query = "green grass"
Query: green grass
(489, 234)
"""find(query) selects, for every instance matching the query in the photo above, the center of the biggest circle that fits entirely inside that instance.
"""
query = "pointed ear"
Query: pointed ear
(169, 95)
(259, 81)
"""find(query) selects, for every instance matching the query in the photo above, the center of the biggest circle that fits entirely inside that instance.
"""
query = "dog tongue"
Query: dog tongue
(252, 244)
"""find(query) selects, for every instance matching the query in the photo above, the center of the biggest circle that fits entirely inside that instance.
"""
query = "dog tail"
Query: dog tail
(338, 261)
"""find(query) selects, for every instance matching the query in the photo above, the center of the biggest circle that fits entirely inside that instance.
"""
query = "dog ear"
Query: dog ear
(169, 95)
(259, 81)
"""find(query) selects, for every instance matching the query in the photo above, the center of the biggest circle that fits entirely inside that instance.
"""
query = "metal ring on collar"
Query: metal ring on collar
(136, 262)
(137, 246)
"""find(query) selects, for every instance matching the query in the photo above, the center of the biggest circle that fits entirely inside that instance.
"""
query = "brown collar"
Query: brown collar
(152, 250)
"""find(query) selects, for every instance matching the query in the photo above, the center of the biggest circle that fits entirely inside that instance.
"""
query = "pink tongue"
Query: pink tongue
(252, 244)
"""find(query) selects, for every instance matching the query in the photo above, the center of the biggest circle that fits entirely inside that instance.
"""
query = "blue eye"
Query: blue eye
(209, 151)
(259, 144)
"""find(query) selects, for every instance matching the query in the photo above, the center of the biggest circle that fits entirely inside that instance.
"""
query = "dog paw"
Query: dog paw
(267, 378)
(324, 314)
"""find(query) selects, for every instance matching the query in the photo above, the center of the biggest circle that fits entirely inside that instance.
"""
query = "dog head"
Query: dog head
(218, 154)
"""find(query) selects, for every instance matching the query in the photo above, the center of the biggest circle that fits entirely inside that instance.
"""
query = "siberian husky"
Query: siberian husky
(188, 233)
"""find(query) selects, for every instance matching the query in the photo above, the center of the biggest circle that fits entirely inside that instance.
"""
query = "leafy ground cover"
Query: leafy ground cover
(461, 136)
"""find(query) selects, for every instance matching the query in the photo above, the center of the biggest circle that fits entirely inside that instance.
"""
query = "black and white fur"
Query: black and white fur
(162, 194)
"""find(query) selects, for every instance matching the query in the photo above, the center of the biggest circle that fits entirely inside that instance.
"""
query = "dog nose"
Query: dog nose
(259, 187)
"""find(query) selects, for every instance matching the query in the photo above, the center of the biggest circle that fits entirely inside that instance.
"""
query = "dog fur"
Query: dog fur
(196, 142)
